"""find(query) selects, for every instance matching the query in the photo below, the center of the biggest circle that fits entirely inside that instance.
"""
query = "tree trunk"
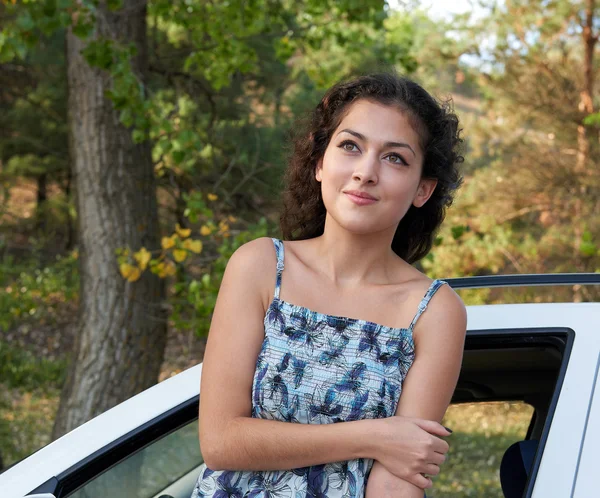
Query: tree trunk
(121, 326)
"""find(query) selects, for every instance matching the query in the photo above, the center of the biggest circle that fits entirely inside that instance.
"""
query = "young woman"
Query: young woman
(331, 360)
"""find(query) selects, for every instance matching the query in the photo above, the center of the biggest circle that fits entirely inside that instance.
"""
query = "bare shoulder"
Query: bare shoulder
(253, 265)
(255, 255)
(446, 314)
(449, 303)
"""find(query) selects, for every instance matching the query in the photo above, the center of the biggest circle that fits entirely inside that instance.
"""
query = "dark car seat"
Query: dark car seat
(516, 466)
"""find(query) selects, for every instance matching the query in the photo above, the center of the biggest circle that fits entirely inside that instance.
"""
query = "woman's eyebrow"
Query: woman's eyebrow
(386, 144)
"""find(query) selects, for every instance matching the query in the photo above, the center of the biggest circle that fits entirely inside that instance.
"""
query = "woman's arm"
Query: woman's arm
(427, 390)
(231, 439)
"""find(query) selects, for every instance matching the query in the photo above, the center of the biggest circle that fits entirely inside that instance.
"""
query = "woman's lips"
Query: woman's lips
(360, 198)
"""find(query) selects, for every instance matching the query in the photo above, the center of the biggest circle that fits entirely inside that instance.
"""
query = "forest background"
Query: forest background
(143, 141)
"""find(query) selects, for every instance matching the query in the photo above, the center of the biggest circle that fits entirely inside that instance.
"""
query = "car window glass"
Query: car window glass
(150, 470)
(483, 432)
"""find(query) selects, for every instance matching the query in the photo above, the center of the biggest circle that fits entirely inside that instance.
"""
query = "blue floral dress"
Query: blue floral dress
(315, 368)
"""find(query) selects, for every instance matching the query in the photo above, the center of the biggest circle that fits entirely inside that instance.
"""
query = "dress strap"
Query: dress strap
(435, 285)
(280, 254)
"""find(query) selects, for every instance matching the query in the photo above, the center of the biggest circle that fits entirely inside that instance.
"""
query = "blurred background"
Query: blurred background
(143, 141)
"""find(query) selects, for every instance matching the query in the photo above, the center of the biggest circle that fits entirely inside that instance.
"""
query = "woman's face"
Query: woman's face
(370, 173)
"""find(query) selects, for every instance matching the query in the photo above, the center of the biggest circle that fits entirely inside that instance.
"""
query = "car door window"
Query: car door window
(483, 432)
(151, 470)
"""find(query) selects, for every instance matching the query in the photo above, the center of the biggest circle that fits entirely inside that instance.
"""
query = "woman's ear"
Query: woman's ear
(426, 188)
(318, 170)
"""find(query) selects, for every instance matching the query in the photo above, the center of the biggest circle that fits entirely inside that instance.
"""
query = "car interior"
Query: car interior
(521, 365)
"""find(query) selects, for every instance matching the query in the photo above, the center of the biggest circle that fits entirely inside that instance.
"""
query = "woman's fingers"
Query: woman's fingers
(440, 446)
(432, 427)
(431, 470)
(421, 481)
(438, 458)
(413, 452)
(432, 465)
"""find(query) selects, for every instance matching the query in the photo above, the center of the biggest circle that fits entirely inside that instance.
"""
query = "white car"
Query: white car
(547, 355)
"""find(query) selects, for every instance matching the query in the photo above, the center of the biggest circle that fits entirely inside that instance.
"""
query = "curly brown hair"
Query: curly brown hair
(303, 215)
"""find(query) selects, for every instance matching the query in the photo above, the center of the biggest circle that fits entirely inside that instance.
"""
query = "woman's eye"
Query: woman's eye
(349, 146)
(396, 159)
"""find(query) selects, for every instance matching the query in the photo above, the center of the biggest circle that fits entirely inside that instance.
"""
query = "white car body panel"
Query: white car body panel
(555, 477)
(587, 474)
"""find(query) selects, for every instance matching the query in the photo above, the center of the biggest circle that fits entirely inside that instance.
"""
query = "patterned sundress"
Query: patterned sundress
(315, 368)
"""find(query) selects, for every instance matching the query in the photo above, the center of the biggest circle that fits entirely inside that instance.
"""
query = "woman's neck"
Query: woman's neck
(351, 259)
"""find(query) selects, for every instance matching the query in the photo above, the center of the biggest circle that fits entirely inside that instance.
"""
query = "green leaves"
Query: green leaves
(592, 119)
(26, 23)
(114, 5)
(458, 231)
(101, 54)
(588, 247)
(83, 27)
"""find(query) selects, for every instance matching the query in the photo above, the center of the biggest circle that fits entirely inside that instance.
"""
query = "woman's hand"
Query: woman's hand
(382, 484)
(411, 447)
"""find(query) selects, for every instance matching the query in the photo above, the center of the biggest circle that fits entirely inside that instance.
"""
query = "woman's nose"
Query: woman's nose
(366, 170)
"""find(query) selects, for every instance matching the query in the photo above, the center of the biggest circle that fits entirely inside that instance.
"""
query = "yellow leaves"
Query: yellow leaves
(130, 272)
(190, 245)
(212, 197)
(175, 249)
(159, 169)
(183, 232)
(224, 228)
(164, 269)
(179, 255)
(168, 242)
(194, 246)
(142, 257)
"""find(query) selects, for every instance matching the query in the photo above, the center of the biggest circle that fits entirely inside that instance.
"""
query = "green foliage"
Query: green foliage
(196, 207)
(25, 422)
(19, 369)
(592, 119)
(588, 247)
(31, 21)
(228, 79)
(31, 293)
(531, 192)
(213, 66)
(195, 292)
